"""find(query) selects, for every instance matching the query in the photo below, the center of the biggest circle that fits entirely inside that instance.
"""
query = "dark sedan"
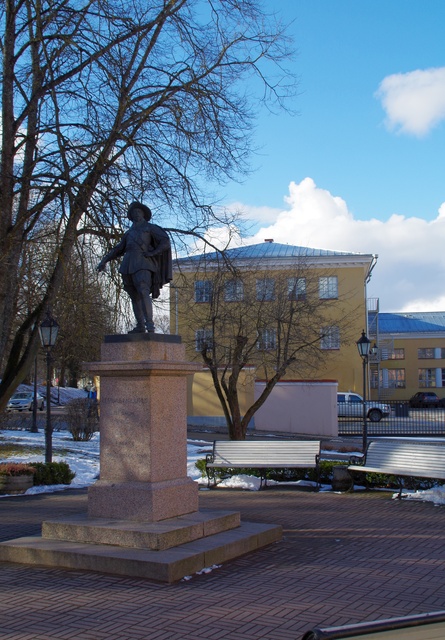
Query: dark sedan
(424, 399)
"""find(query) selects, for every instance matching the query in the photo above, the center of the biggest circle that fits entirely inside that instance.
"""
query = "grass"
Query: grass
(10, 450)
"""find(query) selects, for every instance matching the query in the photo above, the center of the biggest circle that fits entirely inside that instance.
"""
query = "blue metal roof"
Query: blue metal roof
(270, 250)
(421, 322)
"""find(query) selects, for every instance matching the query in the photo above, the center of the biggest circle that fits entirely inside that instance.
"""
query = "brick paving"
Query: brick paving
(344, 558)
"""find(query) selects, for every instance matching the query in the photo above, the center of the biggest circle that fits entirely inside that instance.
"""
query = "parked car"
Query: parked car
(23, 401)
(423, 399)
(350, 405)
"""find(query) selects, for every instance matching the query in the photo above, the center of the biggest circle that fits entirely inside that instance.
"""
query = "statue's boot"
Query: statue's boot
(147, 308)
(139, 315)
(137, 329)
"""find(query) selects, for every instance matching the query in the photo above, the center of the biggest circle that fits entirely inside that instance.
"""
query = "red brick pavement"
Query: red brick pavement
(344, 559)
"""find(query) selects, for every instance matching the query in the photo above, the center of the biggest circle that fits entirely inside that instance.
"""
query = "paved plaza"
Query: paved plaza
(344, 558)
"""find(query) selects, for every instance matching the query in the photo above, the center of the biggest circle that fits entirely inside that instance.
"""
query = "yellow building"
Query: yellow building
(410, 355)
(266, 287)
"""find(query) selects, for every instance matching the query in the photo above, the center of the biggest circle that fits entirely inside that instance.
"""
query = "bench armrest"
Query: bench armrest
(357, 460)
(209, 457)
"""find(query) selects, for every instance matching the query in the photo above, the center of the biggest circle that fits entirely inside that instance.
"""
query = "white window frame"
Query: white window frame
(426, 353)
(328, 287)
(296, 288)
(397, 353)
(267, 339)
(265, 289)
(330, 338)
(203, 290)
(393, 378)
(427, 378)
(202, 337)
(234, 290)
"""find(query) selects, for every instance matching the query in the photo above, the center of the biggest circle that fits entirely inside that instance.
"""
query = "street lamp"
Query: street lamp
(34, 428)
(364, 346)
(48, 331)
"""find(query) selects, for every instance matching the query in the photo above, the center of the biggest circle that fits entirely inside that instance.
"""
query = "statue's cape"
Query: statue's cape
(163, 273)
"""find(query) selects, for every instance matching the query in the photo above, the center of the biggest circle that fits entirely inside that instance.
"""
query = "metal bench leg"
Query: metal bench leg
(400, 481)
(210, 478)
(263, 479)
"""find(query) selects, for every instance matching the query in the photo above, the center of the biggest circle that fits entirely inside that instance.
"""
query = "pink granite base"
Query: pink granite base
(143, 431)
(143, 501)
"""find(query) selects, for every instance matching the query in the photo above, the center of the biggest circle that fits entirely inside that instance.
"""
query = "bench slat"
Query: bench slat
(262, 454)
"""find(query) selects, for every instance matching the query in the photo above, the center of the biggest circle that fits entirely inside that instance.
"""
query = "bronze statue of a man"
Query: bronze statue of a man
(146, 264)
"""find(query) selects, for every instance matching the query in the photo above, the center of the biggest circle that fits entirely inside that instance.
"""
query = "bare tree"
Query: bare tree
(85, 314)
(271, 323)
(106, 101)
(84, 308)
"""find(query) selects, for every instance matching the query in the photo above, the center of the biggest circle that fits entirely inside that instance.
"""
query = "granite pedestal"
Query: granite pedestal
(143, 517)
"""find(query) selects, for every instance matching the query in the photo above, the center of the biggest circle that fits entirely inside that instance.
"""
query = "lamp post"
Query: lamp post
(34, 428)
(48, 331)
(363, 346)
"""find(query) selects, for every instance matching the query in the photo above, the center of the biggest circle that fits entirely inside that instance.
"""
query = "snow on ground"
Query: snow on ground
(83, 459)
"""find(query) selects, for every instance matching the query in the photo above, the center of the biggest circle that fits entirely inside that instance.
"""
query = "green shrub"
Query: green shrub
(280, 475)
(82, 418)
(52, 473)
(391, 481)
(201, 466)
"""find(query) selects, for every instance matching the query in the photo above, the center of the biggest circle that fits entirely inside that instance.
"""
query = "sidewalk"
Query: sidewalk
(344, 558)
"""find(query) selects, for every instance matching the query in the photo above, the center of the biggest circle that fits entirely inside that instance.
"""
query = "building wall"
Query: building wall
(299, 407)
(411, 363)
(342, 365)
(203, 400)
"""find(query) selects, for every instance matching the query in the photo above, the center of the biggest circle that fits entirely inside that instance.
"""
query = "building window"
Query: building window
(393, 379)
(330, 338)
(427, 378)
(234, 290)
(442, 354)
(422, 354)
(203, 338)
(397, 354)
(203, 291)
(296, 288)
(267, 339)
(328, 287)
(265, 289)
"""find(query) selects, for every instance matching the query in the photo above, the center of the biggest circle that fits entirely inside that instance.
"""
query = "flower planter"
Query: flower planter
(342, 479)
(15, 484)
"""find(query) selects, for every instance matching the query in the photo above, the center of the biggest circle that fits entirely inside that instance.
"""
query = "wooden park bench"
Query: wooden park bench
(262, 455)
(402, 459)
(425, 626)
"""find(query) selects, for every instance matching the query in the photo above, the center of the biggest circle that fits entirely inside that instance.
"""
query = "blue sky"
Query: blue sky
(361, 167)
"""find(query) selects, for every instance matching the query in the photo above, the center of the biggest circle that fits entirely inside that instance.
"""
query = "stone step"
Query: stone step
(139, 535)
(169, 565)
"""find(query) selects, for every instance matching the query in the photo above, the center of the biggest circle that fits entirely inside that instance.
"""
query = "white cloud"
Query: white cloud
(424, 304)
(414, 102)
(410, 271)
(258, 214)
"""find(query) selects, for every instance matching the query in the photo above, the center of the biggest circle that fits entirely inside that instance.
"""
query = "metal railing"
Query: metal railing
(403, 420)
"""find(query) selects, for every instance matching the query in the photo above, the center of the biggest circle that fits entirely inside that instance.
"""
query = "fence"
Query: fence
(403, 420)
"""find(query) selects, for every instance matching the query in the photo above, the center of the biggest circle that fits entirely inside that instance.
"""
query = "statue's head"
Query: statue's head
(138, 205)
